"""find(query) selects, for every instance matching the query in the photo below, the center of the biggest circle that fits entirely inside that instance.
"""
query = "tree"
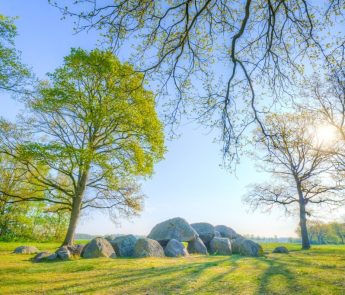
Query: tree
(300, 168)
(13, 74)
(26, 220)
(239, 50)
(94, 128)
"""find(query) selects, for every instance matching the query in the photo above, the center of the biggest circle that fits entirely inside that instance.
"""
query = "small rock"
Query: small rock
(145, 247)
(281, 249)
(175, 249)
(26, 250)
(63, 253)
(220, 246)
(197, 246)
(43, 256)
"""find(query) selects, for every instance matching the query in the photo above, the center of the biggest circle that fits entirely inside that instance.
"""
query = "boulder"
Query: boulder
(25, 250)
(109, 238)
(204, 230)
(44, 256)
(63, 253)
(175, 228)
(281, 249)
(76, 250)
(98, 247)
(124, 245)
(174, 248)
(197, 246)
(52, 257)
(246, 247)
(145, 247)
(235, 245)
(226, 232)
(217, 234)
(220, 246)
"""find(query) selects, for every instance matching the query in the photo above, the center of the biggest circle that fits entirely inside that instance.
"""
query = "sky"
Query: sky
(189, 183)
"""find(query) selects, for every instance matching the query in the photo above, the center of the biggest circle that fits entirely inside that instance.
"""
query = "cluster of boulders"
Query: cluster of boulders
(173, 238)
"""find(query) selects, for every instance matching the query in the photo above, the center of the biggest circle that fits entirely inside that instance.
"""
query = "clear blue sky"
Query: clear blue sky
(188, 183)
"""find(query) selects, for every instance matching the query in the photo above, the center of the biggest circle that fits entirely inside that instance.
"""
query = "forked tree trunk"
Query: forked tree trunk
(76, 208)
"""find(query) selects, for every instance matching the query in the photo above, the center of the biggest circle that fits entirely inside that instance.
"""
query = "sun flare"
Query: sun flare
(325, 135)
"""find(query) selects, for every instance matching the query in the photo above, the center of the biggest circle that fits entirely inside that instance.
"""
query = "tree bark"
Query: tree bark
(76, 208)
(69, 239)
(302, 217)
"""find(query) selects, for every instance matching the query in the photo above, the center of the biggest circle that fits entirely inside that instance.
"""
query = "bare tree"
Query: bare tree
(230, 51)
(300, 169)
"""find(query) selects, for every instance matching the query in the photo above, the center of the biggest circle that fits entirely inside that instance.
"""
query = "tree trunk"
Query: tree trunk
(302, 217)
(76, 208)
(69, 239)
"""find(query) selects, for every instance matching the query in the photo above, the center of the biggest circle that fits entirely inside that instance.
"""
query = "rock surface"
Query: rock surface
(197, 246)
(26, 250)
(44, 256)
(174, 248)
(220, 246)
(63, 253)
(145, 247)
(175, 228)
(98, 247)
(124, 245)
(281, 249)
(204, 230)
(226, 232)
(246, 247)
(76, 249)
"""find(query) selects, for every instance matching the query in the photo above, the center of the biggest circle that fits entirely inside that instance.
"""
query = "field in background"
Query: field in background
(317, 271)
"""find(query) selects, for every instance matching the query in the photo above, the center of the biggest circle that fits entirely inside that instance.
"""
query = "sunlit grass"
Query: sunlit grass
(318, 271)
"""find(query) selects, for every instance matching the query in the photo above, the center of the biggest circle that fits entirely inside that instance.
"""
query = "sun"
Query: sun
(325, 135)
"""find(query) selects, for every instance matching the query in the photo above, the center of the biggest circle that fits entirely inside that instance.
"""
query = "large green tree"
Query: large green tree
(13, 74)
(94, 127)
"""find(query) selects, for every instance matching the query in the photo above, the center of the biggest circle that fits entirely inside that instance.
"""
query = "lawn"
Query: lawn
(317, 271)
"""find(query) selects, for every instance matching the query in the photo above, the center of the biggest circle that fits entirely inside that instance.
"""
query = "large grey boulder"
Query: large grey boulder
(175, 228)
(220, 246)
(98, 247)
(246, 247)
(63, 253)
(204, 230)
(281, 250)
(25, 250)
(44, 256)
(197, 246)
(124, 245)
(145, 247)
(226, 232)
(174, 248)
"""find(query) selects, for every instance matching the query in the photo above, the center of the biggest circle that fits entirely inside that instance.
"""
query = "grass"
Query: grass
(320, 270)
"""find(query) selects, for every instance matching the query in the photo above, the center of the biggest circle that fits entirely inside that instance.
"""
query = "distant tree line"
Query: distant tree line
(321, 233)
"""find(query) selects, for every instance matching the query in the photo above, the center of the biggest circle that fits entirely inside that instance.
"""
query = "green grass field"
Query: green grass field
(318, 271)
